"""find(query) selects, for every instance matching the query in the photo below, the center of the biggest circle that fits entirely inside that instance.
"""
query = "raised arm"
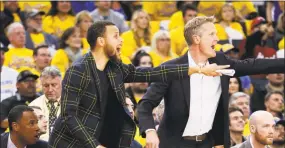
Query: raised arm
(72, 86)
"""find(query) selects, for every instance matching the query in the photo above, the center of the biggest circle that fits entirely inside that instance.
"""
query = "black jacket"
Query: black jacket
(38, 144)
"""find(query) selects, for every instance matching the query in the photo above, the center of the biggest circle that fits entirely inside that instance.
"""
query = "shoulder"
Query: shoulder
(127, 34)
(37, 100)
(10, 70)
(235, 24)
(30, 51)
(9, 101)
(48, 18)
(94, 13)
(117, 15)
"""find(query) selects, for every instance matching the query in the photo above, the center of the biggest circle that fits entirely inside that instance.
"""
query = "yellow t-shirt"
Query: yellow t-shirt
(210, 8)
(176, 20)
(129, 46)
(19, 57)
(16, 17)
(222, 32)
(281, 43)
(85, 43)
(159, 9)
(139, 138)
(157, 59)
(37, 38)
(245, 7)
(178, 42)
(53, 25)
(246, 131)
(40, 5)
(61, 61)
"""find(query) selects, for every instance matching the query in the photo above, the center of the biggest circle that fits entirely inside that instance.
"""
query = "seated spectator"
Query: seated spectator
(39, 5)
(228, 28)
(236, 125)
(178, 43)
(59, 18)
(159, 11)
(10, 14)
(161, 48)
(49, 103)
(18, 56)
(275, 83)
(104, 12)
(242, 101)
(83, 21)
(26, 93)
(234, 85)
(42, 121)
(279, 134)
(139, 35)
(210, 8)
(176, 19)
(261, 129)
(24, 129)
(8, 77)
(274, 103)
(35, 35)
(70, 49)
(137, 90)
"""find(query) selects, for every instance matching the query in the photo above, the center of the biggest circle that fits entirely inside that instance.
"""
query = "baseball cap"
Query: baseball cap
(226, 48)
(3, 47)
(26, 74)
(34, 12)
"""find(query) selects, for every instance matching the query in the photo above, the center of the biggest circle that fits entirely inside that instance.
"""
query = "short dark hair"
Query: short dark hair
(234, 109)
(96, 30)
(36, 50)
(137, 58)
(54, 11)
(187, 7)
(66, 34)
(269, 94)
(16, 114)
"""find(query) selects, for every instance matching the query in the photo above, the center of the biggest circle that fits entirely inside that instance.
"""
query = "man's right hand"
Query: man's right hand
(100, 146)
(210, 70)
(152, 140)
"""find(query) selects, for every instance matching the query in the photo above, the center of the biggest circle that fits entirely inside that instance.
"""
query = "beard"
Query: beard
(261, 139)
(112, 53)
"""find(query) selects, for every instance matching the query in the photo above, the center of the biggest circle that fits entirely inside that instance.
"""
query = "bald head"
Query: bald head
(259, 117)
(262, 127)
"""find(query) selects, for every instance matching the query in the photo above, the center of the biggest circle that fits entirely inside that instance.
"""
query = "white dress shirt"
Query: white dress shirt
(10, 143)
(42, 102)
(205, 92)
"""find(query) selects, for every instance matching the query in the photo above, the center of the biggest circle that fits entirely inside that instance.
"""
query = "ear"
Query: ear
(100, 41)
(252, 129)
(15, 126)
(18, 85)
(196, 39)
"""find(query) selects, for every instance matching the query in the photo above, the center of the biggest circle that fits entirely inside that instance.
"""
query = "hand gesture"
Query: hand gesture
(100, 146)
(210, 70)
(152, 140)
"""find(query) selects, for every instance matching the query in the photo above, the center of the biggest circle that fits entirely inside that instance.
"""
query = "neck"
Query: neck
(162, 52)
(279, 87)
(17, 46)
(83, 34)
(74, 50)
(17, 141)
(100, 57)
(140, 32)
(236, 137)
(39, 69)
(255, 143)
(103, 12)
(225, 23)
(61, 15)
(197, 55)
(273, 113)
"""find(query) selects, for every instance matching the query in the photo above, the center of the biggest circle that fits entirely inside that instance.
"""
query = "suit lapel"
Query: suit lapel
(185, 82)
(94, 74)
(4, 140)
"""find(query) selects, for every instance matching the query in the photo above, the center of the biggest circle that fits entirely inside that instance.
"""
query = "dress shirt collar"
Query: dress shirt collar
(10, 143)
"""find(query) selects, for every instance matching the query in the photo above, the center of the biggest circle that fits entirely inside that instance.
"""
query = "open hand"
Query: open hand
(210, 70)
(152, 140)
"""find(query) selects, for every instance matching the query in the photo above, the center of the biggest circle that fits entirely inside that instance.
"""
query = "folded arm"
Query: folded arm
(72, 88)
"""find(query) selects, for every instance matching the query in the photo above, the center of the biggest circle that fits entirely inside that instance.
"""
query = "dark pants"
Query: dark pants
(207, 143)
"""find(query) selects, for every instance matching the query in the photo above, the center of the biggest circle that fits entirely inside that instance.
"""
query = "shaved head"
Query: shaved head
(262, 127)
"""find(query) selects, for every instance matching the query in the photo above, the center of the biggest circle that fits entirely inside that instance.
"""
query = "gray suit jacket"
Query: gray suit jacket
(246, 144)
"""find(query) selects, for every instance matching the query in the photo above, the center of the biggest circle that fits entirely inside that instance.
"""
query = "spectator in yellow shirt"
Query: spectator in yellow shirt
(83, 21)
(138, 36)
(35, 35)
(210, 8)
(178, 42)
(18, 56)
(226, 24)
(161, 48)
(70, 49)
(159, 11)
(59, 18)
(39, 5)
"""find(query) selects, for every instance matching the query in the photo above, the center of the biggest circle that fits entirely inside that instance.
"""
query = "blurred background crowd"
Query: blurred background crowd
(40, 40)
